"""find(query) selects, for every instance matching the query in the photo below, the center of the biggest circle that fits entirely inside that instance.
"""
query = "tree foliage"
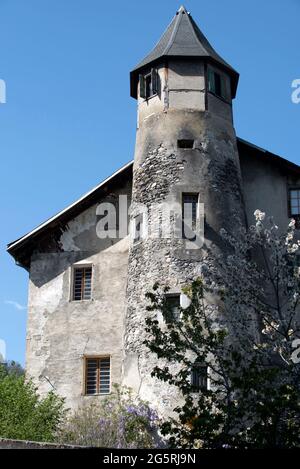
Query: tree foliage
(23, 415)
(243, 323)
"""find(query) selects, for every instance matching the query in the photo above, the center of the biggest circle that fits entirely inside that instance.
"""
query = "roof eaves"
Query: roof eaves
(15, 244)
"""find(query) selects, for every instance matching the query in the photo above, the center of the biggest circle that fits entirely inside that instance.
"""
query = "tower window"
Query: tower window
(199, 377)
(138, 228)
(185, 144)
(216, 84)
(189, 215)
(173, 305)
(82, 283)
(149, 84)
(97, 375)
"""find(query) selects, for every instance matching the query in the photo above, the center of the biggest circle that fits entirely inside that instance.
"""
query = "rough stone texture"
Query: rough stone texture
(162, 172)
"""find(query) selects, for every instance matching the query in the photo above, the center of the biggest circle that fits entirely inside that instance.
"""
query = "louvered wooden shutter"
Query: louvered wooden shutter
(97, 375)
(223, 88)
(154, 80)
(211, 81)
(142, 87)
(82, 288)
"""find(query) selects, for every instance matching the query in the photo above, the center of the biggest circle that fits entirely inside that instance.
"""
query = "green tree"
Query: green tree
(23, 415)
(238, 334)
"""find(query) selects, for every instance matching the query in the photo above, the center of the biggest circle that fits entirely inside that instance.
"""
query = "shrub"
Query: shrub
(118, 421)
(23, 415)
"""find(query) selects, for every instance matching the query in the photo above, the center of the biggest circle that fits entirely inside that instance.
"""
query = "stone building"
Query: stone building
(88, 277)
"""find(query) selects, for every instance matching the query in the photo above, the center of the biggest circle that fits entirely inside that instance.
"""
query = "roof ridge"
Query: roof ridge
(174, 32)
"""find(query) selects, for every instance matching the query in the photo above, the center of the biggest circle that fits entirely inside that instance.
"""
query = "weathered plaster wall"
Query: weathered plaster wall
(265, 187)
(61, 332)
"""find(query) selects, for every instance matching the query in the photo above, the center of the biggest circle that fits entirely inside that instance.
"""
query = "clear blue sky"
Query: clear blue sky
(69, 120)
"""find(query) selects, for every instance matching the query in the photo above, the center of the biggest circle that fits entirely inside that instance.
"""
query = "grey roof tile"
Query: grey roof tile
(182, 38)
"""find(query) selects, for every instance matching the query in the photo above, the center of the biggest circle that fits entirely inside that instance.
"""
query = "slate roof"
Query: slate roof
(182, 38)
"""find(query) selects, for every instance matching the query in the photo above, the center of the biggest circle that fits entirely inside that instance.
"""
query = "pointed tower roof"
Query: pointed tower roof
(182, 38)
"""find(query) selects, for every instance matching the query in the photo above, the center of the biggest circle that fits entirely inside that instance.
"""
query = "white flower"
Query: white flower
(293, 248)
(292, 223)
(259, 215)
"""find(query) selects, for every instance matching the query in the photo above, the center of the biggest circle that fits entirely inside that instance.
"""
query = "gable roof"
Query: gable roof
(22, 245)
(21, 249)
(182, 38)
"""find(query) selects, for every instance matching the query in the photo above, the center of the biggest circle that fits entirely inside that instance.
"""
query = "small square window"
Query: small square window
(82, 283)
(199, 377)
(97, 375)
(186, 144)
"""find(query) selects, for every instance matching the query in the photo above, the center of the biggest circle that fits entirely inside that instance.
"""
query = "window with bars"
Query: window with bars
(97, 375)
(189, 215)
(199, 377)
(82, 283)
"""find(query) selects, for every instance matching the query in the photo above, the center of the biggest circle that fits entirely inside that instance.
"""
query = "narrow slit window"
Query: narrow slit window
(97, 375)
(185, 143)
(82, 283)
(189, 215)
(138, 228)
(173, 305)
(199, 377)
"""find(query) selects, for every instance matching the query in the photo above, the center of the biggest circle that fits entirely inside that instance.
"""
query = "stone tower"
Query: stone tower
(186, 152)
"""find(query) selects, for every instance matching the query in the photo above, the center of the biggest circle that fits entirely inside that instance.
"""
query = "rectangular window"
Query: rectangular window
(173, 305)
(97, 375)
(216, 84)
(199, 377)
(149, 84)
(189, 215)
(82, 283)
(294, 205)
(294, 202)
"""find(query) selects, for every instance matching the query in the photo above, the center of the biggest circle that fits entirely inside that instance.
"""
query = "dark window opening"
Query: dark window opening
(185, 144)
(173, 306)
(97, 375)
(82, 283)
(138, 228)
(149, 84)
(199, 377)
(189, 215)
(294, 205)
(216, 84)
